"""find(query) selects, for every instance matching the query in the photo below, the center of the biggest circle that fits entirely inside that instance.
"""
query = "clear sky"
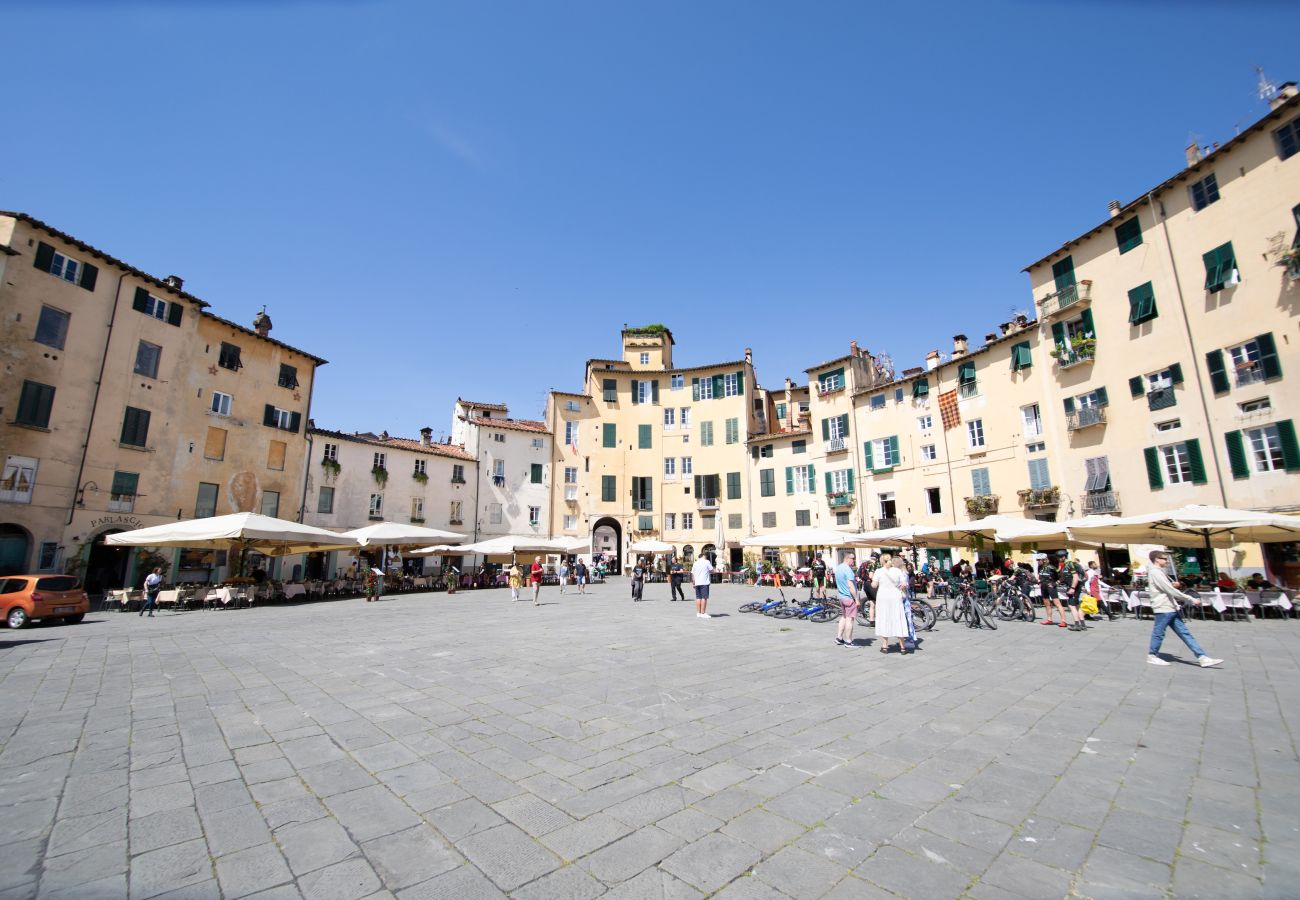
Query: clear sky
(471, 198)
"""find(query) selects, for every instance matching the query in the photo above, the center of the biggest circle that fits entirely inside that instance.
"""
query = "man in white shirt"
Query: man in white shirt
(1165, 597)
(701, 575)
(152, 585)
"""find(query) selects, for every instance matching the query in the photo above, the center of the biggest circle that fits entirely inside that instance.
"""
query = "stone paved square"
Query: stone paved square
(466, 746)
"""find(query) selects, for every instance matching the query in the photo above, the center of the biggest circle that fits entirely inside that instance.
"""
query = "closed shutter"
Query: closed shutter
(141, 300)
(1218, 374)
(35, 403)
(125, 484)
(1039, 479)
(753, 451)
(789, 479)
(1136, 387)
(89, 275)
(608, 488)
(1195, 462)
(718, 390)
(214, 447)
(1063, 273)
(654, 391)
(1176, 374)
(1290, 450)
(636, 394)
(733, 485)
(740, 383)
(1237, 455)
(535, 473)
(643, 437)
(135, 427)
(980, 482)
(44, 256)
(1155, 474)
(1268, 356)
(609, 434)
(1068, 403)
(850, 481)
(174, 311)
(295, 422)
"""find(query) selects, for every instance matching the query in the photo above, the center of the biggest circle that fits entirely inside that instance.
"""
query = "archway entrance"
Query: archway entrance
(607, 539)
(106, 567)
(15, 548)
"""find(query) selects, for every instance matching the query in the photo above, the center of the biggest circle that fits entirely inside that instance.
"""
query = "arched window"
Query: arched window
(688, 553)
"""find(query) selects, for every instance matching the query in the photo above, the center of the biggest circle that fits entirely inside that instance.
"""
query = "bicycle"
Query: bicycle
(924, 616)
(968, 608)
(1012, 600)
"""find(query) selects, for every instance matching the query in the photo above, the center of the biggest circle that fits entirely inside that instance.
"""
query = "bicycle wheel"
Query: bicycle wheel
(774, 610)
(825, 615)
(786, 612)
(923, 615)
(1005, 608)
(1028, 611)
(984, 619)
(750, 607)
(959, 611)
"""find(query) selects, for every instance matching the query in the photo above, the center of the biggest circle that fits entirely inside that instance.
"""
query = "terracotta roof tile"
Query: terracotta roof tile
(477, 405)
(452, 451)
(510, 424)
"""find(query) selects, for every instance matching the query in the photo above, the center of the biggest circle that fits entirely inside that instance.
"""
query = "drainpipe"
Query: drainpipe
(311, 444)
(94, 400)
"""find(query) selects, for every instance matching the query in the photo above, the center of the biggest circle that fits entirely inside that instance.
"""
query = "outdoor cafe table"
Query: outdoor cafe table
(294, 590)
(224, 595)
(169, 597)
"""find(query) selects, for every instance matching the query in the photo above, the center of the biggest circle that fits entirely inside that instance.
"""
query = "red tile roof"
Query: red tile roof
(452, 451)
(510, 424)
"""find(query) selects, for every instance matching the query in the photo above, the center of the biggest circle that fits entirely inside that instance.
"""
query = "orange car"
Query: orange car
(49, 597)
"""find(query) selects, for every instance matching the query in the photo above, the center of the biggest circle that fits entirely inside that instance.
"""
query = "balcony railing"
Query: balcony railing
(1086, 417)
(1249, 373)
(417, 520)
(1161, 398)
(885, 522)
(499, 480)
(1100, 502)
(1070, 298)
(456, 521)
(1035, 498)
(1068, 357)
(835, 445)
(643, 505)
(968, 389)
(709, 502)
(981, 506)
(838, 499)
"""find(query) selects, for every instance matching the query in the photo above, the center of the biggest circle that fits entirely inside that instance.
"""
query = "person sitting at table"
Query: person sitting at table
(1225, 582)
(1257, 582)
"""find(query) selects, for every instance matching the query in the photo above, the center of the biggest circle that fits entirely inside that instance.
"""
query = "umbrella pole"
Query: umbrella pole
(1209, 555)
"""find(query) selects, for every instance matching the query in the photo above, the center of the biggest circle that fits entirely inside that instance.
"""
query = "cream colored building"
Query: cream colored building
(127, 403)
(513, 478)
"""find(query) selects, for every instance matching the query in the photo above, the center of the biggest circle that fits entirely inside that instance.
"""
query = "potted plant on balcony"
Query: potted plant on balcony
(983, 505)
(380, 474)
(331, 467)
(422, 477)
(1083, 345)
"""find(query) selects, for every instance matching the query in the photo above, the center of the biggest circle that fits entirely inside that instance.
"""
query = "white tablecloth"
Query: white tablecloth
(294, 590)
(172, 597)
(223, 594)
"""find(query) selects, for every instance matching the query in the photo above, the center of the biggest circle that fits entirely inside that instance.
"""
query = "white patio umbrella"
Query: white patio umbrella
(396, 534)
(237, 531)
(575, 544)
(438, 550)
(650, 545)
(1002, 529)
(516, 543)
(902, 536)
(805, 536)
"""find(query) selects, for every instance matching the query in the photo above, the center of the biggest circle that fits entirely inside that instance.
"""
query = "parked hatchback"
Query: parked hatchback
(48, 597)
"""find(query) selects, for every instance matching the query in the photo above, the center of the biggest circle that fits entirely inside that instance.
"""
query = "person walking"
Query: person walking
(701, 577)
(564, 574)
(535, 578)
(580, 573)
(638, 580)
(1165, 599)
(847, 590)
(892, 608)
(676, 574)
(372, 585)
(819, 577)
(1050, 589)
(516, 580)
(153, 583)
(1072, 575)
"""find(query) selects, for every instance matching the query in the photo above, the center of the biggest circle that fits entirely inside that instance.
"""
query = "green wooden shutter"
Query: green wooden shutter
(1141, 304)
(654, 391)
(1128, 235)
(636, 397)
(609, 434)
(535, 473)
(733, 485)
(1155, 472)
(1103, 399)
(1218, 374)
(695, 388)
(753, 451)
(44, 256)
(1237, 455)
(844, 425)
(268, 416)
(850, 481)
(966, 372)
(789, 479)
(643, 437)
(126, 484)
(1268, 356)
(866, 451)
(718, 390)
(1195, 462)
(829, 483)
(174, 311)
(295, 422)
(893, 450)
(1068, 402)
(1136, 386)
(608, 488)
(1063, 273)
(812, 478)
(141, 298)
(1176, 373)
(1058, 334)
(699, 485)
(89, 274)
(1086, 324)
(921, 388)
(740, 383)
(826, 429)
(1290, 450)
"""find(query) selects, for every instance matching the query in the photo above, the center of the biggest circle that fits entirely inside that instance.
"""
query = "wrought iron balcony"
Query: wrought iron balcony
(1075, 354)
(709, 502)
(1036, 498)
(643, 505)
(836, 445)
(1069, 299)
(1086, 417)
(499, 480)
(1161, 398)
(1100, 502)
(886, 522)
(981, 506)
(838, 499)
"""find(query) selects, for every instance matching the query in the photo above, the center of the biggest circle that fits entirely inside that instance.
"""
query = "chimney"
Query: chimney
(932, 360)
(262, 323)
(1113, 208)
(853, 349)
(174, 281)
(426, 437)
(789, 385)
(990, 337)
(749, 355)
(383, 435)
(1005, 326)
(958, 344)
(1284, 93)
(1193, 154)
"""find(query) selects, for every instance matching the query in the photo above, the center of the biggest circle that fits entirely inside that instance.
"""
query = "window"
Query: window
(1204, 192)
(642, 392)
(730, 384)
(670, 521)
(122, 496)
(499, 472)
(733, 485)
(1288, 139)
(933, 501)
(1247, 362)
(570, 474)
(19, 479)
(457, 473)
(1179, 463)
(706, 434)
(840, 481)
(670, 418)
(325, 501)
(780, 411)
(702, 388)
(767, 482)
(841, 518)
(281, 418)
(34, 405)
(766, 451)
(205, 504)
(221, 406)
(733, 431)
(802, 518)
(421, 467)
(643, 437)
(924, 423)
(1040, 478)
(572, 406)
(417, 509)
(494, 513)
(642, 493)
(1021, 358)
(609, 434)
(271, 503)
(967, 385)
(610, 390)
(214, 447)
(688, 521)
(1220, 268)
(147, 356)
(52, 327)
(571, 435)
(688, 466)
(1032, 419)
(135, 427)
(65, 267)
(570, 523)
(1178, 468)
(275, 454)
(229, 357)
(888, 506)
(499, 438)
(686, 417)
(929, 453)
(1142, 304)
(1097, 479)
(330, 452)
(769, 520)
(980, 483)
(1036, 447)
(534, 516)
(670, 468)
(536, 443)
(609, 488)
(878, 401)
(645, 359)
(882, 454)
(1128, 235)
(1169, 424)
(798, 479)
(535, 473)
(50, 555)
(797, 447)
(677, 382)
(1266, 448)
(376, 506)
(1254, 406)
(734, 521)
(831, 381)
(975, 433)
(455, 512)
(288, 376)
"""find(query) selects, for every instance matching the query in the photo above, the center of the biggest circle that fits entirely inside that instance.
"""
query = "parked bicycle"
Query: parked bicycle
(1012, 599)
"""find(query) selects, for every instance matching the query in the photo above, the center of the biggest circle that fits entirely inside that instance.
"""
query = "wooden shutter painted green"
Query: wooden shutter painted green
(753, 451)
(1063, 273)
(789, 479)
(1195, 462)
(654, 391)
(829, 483)
(1268, 356)
(1137, 386)
(866, 452)
(174, 312)
(1142, 304)
(535, 473)
(767, 482)
(1218, 374)
(269, 417)
(126, 484)
(609, 488)
(1290, 449)
(135, 427)
(1039, 477)
(921, 388)
(1085, 324)
(1176, 373)
(966, 372)
(89, 275)
(1058, 334)
(733, 485)
(894, 458)
(844, 425)
(609, 434)
(1128, 235)
(1103, 399)
(706, 434)
(826, 429)
(1155, 474)
(643, 437)
(1236, 455)
(44, 256)
(295, 422)
(1020, 357)
(850, 481)
(695, 388)
(740, 383)
(140, 300)
(812, 478)
(636, 395)
(1219, 265)
(35, 404)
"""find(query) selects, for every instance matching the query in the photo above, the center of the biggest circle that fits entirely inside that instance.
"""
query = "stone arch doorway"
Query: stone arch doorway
(607, 538)
(106, 567)
(15, 549)
(711, 552)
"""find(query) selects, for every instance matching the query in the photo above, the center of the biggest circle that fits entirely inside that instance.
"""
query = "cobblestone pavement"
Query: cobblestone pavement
(461, 747)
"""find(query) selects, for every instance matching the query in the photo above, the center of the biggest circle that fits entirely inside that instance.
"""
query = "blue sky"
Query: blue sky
(471, 198)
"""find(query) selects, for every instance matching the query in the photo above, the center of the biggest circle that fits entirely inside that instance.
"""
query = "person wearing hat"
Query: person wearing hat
(1072, 577)
(1049, 586)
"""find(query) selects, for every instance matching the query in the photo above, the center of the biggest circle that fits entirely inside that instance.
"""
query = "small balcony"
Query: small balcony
(827, 389)
(499, 481)
(981, 506)
(455, 522)
(455, 480)
(1086, 417)
(1076, 353)
(1161, 398)
(884, 522)
(839, 500)
(1033, 498)
(1070, 299)
(1100, 503)
(836, 445)
(709, 502)
(643, 505)
(417, 520)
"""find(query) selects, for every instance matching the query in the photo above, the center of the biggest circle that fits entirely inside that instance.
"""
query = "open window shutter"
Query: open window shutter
(812, 478)
(1155, 474)
(844, 425)
(1212, 280)
(1135, 386)
(753, 451)
(866, 450)
(268, 416)
(1268, 356)
(1218, 374)
(295, 421)
(826, 429)
(126, 483)
(740, 383)
(699, 485)
(717, 387)
(635, 393)
(921, 388)
(141, 298)
(44, 256)
(829, 483)
(174, 313)
(1103, 399)
(966, 372)
(1069, 406)
(1290, 450)
(1176, 373)
(850, 481)
(789, 479)
(695, 388)
(89, 275)
(1090, 474)
(654, 391)
(1058, 334)
(893, 450)
(1236, 455)
(1195, 462)
(1086, 323)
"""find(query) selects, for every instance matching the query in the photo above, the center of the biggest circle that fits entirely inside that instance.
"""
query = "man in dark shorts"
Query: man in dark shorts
(819, 577)
(675, 577)
(1072, 578)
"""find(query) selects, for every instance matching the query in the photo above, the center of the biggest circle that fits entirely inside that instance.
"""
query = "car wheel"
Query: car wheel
(17, 617)
(74, 620)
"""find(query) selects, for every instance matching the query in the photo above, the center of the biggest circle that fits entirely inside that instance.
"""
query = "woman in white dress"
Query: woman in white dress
(892, 608)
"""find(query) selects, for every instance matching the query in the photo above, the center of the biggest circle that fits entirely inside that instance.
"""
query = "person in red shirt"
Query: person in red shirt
(535, 579)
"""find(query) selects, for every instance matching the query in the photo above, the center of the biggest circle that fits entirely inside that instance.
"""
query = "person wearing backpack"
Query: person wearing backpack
(1073, 577)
